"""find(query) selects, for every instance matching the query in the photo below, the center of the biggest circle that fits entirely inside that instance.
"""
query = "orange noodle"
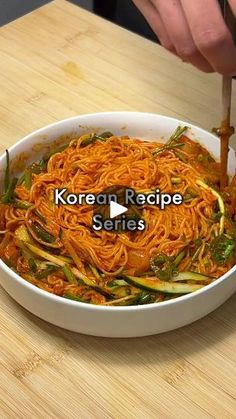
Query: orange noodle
(55, 248)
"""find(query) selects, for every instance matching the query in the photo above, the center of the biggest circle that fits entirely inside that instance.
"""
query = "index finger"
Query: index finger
(211, 35)
(232, 4)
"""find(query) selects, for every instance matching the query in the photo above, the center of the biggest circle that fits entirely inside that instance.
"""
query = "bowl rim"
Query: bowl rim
(92, 307)
(41, 130)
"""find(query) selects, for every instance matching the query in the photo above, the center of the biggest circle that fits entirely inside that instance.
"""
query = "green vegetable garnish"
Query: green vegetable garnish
(59, 260)
(104, 136)
(40, 216)
(176, 180)
(73, 297)
(205, 158)
(198, 244)
(145, 298)
(35, 168)
(39, 167)
(22, 204)
(216, 216)
(223, 249)
(179, 258)
(8, 197)
(89, 139)
(117, 283)
(188, 198)
(28, 179)
(155, 284)
(190, 195)
(180, 156)
(21, 180)
(190, 276)
(177, 134)
(163, 266)
(32, 264)
(48, 271)
(166, 147)
(95, 271)
(192, 192)
(42, 234)
(69, 275)
(172, 143)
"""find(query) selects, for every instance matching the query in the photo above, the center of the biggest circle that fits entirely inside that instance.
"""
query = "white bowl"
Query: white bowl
(115, 321)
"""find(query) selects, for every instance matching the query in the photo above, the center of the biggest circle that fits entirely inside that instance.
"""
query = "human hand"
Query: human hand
(194, 30)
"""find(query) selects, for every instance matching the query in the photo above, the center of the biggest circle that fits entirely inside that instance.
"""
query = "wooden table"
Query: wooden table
(62, 61)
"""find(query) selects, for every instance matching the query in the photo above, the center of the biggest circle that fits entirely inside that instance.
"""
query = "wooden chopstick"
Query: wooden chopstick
(226, 130)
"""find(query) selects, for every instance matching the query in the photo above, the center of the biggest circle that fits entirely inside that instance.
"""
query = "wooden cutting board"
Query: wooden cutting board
(61, 61)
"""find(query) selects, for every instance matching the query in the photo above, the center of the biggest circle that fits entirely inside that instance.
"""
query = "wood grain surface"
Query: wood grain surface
(58, 62)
